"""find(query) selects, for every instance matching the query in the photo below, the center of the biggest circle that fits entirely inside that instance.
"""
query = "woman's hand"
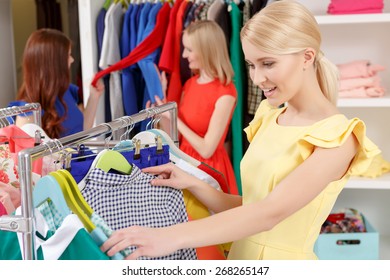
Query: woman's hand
(170, 175)
(97, 91)
(150, 242)
(12, 192)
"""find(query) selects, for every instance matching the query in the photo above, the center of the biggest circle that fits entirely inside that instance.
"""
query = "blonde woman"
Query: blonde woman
(299, 159)
(208, 99)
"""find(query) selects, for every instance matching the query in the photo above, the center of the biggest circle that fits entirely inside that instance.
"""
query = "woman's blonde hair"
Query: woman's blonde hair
(287, 27)
(209, 42)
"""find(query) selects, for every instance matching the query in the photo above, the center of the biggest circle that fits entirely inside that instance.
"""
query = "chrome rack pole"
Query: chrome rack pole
(16, 110)
(26, 223)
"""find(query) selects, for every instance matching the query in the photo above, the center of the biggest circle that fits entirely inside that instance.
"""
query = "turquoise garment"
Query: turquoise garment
(82, 247)
(237, 59)
(70, 241)
(74, 121)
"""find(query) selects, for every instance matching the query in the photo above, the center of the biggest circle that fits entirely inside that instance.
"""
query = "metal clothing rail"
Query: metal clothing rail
(25, 223)
(35, 108)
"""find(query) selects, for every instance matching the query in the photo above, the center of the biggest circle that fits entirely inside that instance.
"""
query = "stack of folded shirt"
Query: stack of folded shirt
(337, 7)
(360, 79)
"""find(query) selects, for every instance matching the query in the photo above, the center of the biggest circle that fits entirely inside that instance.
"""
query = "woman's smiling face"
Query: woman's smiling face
(280, 77)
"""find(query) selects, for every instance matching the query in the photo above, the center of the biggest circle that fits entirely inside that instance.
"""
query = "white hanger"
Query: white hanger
(175, 153)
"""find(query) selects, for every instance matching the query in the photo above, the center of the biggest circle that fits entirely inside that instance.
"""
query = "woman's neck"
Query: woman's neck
(204, 78)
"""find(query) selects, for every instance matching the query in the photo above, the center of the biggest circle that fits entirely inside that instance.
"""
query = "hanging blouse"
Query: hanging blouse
(127, 200)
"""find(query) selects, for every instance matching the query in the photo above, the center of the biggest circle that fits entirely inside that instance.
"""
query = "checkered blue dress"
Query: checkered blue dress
(127, 200)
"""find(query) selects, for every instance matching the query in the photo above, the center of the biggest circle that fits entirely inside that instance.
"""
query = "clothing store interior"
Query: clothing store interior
(78, 184)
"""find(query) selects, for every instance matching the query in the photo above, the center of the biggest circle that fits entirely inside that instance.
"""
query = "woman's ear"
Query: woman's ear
(309, 57)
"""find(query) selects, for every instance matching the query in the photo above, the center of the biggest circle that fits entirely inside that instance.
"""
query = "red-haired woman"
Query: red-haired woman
(46, 80)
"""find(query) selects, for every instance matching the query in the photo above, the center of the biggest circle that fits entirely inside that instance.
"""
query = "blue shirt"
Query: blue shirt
(74, 121)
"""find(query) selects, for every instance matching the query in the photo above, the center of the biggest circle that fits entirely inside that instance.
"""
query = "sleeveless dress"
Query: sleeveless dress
(195, 110)
(273, 153)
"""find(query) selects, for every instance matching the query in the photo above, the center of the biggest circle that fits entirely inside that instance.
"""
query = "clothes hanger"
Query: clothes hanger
(96, 233)
(72, 202)
(31, 128)
(107, 4)
(76, 192)
(112, 160)
(108, 160)
(175, 152)
(48, 188)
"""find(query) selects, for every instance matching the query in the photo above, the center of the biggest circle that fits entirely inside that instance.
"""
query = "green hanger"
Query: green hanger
(107, 4)
(76, 192)
(72, 202)
(113, 160)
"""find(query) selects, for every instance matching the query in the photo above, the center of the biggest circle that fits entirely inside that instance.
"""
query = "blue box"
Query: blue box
(327, 247)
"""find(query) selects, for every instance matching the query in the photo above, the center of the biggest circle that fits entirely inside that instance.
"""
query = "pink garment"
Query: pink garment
(19, 140)
(5, 203)
(358, 69)
(347, 84)
(355, 7)
(362, 92)
(3, 211)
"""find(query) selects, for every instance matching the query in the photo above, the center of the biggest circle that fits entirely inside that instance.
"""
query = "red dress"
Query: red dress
(195, 110)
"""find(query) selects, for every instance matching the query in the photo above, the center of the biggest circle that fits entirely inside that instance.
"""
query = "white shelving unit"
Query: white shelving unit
(346, 38)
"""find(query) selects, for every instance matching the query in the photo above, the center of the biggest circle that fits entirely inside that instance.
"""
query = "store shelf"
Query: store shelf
(380, 183)
(352, 19)
(364, 102)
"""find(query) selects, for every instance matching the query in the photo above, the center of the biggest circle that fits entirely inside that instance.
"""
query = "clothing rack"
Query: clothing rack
(25, 223)
(35, 108)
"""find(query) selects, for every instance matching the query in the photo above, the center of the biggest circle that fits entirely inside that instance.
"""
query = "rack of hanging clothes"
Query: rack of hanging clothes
(14, 139)
(25, 222)
(6, 113)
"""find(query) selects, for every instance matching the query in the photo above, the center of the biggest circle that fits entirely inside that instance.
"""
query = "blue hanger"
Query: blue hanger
(47, 188)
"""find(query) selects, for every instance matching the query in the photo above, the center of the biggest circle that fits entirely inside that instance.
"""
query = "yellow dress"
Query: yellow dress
(273, 153)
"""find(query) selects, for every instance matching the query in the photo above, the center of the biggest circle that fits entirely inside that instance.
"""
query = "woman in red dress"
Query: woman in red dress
(208, 98)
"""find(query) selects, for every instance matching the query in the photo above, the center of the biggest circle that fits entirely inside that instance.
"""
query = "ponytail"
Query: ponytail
(328, 78)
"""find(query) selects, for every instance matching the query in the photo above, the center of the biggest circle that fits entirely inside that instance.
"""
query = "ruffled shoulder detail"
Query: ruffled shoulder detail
(334, 131)
(263, 111)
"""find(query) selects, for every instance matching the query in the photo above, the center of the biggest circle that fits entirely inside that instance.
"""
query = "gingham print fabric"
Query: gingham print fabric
(126, 200)
(99, 222)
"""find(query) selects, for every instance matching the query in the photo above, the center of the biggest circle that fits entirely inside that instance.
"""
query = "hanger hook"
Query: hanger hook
(130, 128)
(2, 122)
(108, 138)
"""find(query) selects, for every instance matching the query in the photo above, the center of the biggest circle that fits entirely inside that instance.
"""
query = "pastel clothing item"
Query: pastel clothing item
(127, 200)
(69, 242)
(274, 152)
(358, 69)
(195, 110)
(74, 120)
(17, 140)
(347, 84)
(6, 205)
(355, 7)
(362, 92)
